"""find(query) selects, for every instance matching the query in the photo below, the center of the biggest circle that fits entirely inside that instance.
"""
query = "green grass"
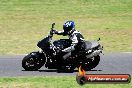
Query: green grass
(52, 82)
(24, 22)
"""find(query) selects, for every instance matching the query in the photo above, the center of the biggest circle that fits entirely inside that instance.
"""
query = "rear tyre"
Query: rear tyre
(91, 63)
(33, 61)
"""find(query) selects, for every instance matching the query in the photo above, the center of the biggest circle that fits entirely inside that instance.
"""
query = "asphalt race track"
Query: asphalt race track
(116, 63)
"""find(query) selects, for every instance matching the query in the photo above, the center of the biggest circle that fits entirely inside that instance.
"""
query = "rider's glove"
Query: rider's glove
(54, 31)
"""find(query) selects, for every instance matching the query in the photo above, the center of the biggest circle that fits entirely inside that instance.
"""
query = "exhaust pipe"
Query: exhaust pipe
(95, 53)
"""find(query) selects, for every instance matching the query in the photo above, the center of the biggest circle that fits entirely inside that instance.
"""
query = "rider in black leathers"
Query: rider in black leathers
(76, 38)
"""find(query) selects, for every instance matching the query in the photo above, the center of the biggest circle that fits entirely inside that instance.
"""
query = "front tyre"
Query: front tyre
(33, 61)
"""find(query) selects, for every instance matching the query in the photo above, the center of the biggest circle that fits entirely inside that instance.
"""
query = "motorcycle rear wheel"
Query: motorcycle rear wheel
(91, 63)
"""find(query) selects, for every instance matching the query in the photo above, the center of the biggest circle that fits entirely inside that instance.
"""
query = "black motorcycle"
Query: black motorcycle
(50, 55)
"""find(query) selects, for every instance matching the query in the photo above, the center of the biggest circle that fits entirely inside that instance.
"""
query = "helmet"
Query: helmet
(68, 26)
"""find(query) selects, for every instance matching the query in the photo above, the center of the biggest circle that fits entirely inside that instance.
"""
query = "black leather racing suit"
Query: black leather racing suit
(77, 42)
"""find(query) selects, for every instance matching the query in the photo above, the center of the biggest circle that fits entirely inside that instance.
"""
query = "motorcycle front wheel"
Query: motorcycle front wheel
(32, 62)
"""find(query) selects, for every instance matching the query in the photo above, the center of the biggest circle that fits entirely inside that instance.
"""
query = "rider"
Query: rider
(76, 38)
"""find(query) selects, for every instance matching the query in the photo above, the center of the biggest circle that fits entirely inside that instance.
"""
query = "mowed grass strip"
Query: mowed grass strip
(24, 22)
(52, 82)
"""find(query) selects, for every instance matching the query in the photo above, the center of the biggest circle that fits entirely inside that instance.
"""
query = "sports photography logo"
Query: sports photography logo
(83, 78)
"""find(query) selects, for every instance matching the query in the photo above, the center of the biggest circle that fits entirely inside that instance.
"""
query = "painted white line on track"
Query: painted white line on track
(126, 52)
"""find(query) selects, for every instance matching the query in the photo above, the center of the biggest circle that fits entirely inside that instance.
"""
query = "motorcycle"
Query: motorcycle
(50, 55)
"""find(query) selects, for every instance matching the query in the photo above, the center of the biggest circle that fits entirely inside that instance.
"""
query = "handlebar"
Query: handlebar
(53, 24)
(52, 29)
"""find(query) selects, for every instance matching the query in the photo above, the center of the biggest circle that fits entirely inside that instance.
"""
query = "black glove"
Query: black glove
(54, 31)
(51, 32)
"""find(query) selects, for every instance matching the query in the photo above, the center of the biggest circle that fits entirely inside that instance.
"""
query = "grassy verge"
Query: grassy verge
(24, 22)
(52, 82)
